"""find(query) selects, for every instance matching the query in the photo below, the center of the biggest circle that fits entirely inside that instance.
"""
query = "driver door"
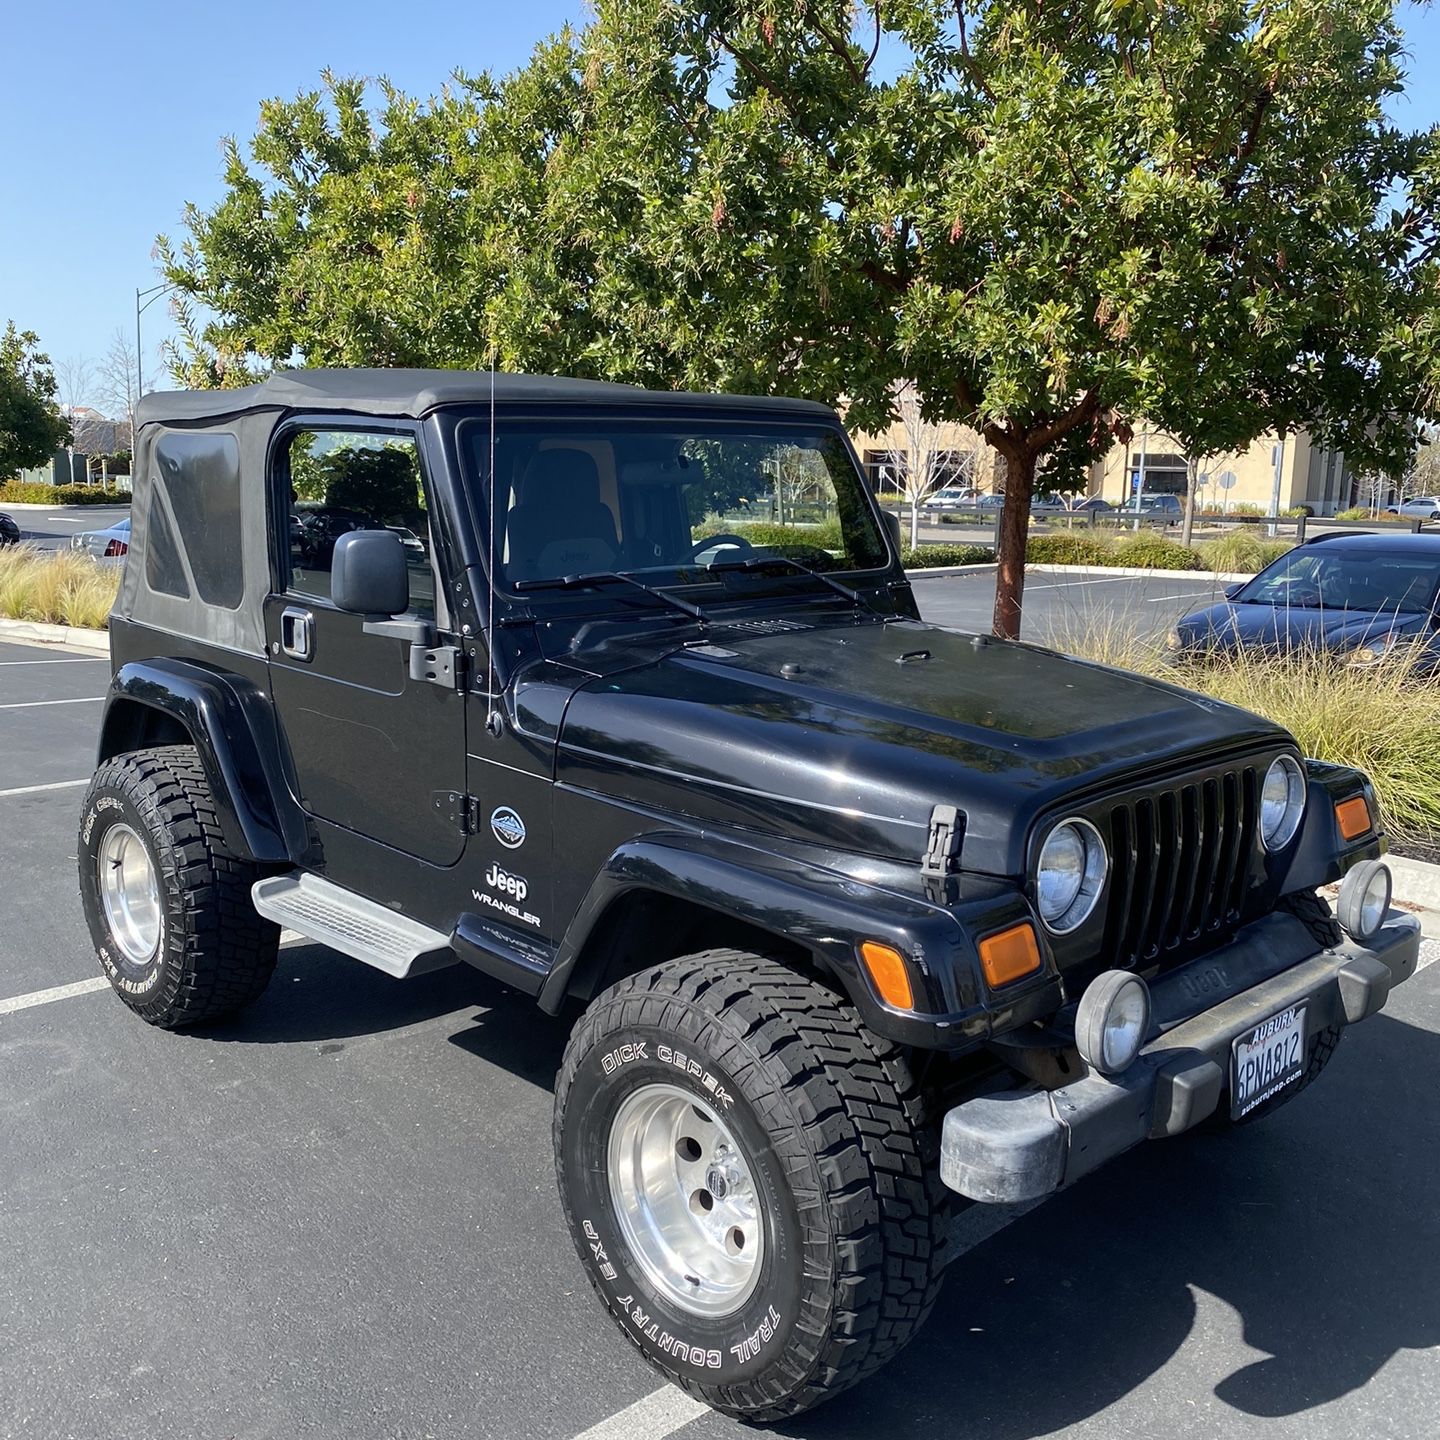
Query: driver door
(369, 748)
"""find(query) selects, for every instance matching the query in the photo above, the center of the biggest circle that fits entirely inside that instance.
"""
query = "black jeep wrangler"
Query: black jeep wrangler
(623, 699)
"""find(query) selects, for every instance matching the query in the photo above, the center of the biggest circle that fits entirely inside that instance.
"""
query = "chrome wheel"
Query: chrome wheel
(130, 894)
(685, 1200)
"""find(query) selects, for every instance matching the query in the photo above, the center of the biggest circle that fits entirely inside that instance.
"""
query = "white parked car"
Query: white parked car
(1418, 507)
(952, 497)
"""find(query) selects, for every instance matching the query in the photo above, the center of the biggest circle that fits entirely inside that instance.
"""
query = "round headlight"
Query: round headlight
(1282, 803)
(1070, 874)
(1365, 655)
(1364, 900)
(1112, 1021)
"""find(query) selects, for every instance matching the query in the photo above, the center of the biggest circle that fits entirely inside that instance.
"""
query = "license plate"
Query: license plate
(1267, 1059)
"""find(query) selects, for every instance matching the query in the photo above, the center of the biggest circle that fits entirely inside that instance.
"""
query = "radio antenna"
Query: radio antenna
(493, 722)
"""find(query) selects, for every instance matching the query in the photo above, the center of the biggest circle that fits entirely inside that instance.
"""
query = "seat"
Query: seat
(561, 526)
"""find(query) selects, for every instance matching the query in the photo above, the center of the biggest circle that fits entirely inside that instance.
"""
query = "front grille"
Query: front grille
(1180, 860)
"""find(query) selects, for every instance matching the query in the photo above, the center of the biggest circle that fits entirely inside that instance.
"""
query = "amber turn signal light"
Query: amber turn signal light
(1353, 817)
(889, 973)
(1010, 955)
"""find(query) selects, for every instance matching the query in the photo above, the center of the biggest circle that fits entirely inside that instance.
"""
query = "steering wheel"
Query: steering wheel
(715, 542)
(1304, 591)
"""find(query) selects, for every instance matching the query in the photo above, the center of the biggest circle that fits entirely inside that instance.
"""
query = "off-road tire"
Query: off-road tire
(845, 1161)
(1315, 913)
(215, 953)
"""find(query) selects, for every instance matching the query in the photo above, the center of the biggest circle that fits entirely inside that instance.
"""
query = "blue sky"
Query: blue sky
(111, 118)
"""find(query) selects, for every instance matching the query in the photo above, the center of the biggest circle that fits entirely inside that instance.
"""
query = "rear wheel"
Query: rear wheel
(168, 905)
(751, 1181)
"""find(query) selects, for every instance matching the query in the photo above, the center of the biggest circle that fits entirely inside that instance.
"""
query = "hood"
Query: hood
(1288, 627)
(846, 735)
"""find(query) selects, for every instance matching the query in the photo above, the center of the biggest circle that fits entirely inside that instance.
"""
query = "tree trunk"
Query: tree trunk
(1014, 535)
(914, 521)
(1192, 472)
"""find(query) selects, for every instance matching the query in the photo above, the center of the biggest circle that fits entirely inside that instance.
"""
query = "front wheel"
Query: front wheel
(751, 1181)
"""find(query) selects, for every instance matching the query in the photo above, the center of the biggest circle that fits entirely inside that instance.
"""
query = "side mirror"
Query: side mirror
(1231, 591)
(368, 575)
(892, 528)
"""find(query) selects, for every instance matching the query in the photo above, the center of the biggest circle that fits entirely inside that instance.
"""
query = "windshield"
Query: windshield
(1312, 577)
(666, 500)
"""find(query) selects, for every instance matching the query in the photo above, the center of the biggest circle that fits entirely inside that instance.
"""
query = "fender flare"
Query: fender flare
(826, 912)
(1322, 855)
(228, 720)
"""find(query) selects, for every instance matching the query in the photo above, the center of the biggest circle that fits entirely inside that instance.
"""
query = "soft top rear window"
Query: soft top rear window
(199, 473)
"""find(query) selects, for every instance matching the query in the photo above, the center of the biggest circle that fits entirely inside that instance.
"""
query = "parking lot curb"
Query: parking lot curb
(1117, 572)
(1417, 882)
(938, 572)
(71, 637)
(106, 504)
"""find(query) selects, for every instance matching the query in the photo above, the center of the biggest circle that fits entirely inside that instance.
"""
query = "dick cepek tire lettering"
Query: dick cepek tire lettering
(835, 1141)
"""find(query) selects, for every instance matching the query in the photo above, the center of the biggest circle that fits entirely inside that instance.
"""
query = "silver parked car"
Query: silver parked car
(110, 545)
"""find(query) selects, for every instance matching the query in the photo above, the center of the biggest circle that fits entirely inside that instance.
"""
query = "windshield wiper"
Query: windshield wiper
(759, 562)
(610, 577)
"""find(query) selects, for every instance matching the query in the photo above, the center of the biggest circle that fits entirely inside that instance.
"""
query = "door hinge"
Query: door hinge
(461, 811)
(947, 828)
(442, 665)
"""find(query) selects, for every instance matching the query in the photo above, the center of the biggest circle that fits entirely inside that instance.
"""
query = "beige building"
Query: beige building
(1309, 475)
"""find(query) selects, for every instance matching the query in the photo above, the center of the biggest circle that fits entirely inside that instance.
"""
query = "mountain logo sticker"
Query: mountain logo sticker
(507, 827)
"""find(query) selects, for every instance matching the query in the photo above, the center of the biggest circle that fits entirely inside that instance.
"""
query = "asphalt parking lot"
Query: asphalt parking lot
(335, 1215)
(53, 529)
(1060, 608)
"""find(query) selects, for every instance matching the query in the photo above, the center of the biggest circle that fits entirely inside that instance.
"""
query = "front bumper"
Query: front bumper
(1023, 1144)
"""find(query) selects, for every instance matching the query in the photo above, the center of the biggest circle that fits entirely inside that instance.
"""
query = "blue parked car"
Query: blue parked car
(1353, 596)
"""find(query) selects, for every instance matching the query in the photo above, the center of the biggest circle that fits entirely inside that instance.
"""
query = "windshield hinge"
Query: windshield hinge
(442, 665)
(461, 811)
(947, 828)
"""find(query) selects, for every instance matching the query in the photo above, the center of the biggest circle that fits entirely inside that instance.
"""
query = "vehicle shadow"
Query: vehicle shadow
(1312, 1237)
(319, 995)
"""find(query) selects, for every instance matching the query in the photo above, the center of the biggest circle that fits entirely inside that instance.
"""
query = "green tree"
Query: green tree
(1056, 219)
(31, 426)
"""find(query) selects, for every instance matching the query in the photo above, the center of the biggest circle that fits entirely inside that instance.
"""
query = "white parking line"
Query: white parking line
(85, 660)
(35, 704)
(1166, 599)
(660, 1413)
(36, 789)
(55, 992)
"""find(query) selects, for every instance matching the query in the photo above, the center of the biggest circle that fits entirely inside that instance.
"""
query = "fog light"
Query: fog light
(1364, 900)
(1112, 1021)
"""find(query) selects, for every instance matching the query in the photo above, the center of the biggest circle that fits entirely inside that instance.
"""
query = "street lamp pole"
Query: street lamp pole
(155, 292)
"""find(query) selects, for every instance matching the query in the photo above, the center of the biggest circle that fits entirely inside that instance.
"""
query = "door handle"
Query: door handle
(297, 633)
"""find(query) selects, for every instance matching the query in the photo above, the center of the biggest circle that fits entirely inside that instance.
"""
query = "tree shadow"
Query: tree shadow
(1316, 1226)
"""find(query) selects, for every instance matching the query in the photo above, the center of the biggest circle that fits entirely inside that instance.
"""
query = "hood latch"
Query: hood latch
(947, 829)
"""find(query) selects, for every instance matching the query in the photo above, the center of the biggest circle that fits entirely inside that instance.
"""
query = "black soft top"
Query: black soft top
(413, 393)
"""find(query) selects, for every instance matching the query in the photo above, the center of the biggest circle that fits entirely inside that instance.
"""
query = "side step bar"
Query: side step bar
(351, 924)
